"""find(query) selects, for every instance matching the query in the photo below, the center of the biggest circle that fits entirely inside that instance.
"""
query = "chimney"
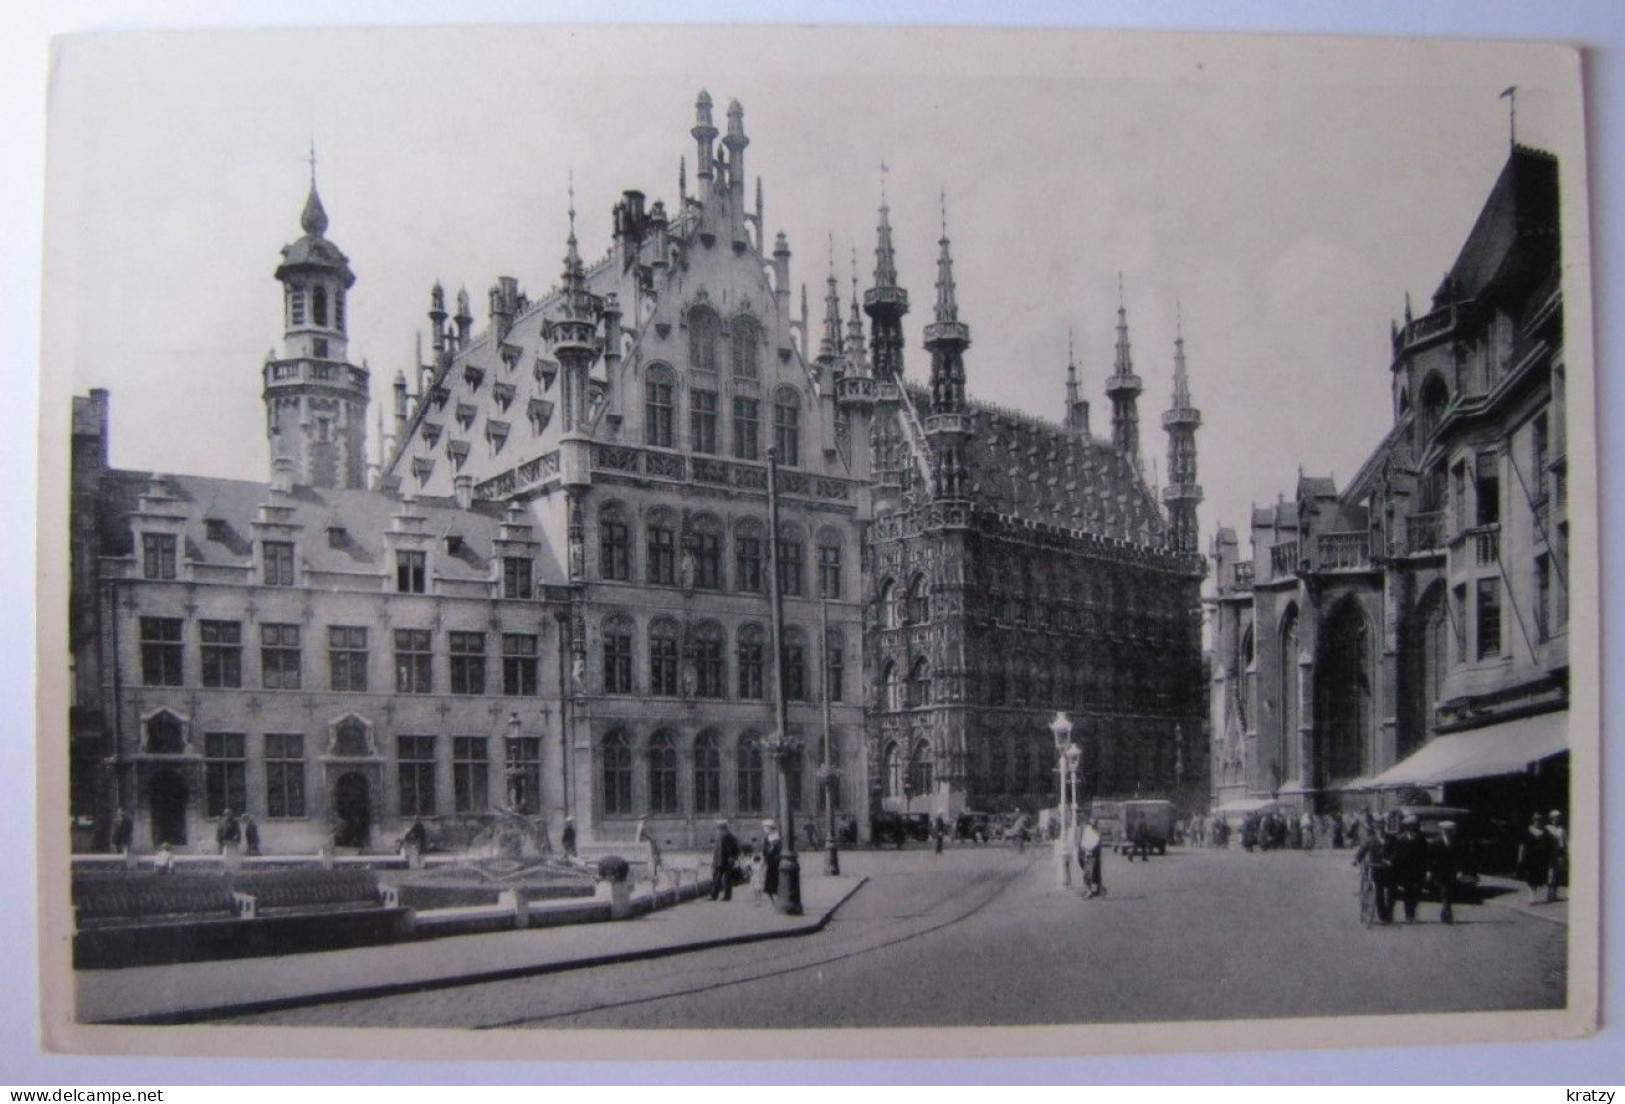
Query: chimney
(282, 475)
(464, 490)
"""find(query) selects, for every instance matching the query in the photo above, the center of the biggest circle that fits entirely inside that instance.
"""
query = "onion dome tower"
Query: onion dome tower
(315, 399)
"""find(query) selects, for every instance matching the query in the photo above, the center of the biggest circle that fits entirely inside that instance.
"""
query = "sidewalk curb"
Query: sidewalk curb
(397, 988)
(1523, 908)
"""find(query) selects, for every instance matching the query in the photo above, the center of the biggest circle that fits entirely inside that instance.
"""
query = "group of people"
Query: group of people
(1543, 856)
(1398, 864)
(763, 873)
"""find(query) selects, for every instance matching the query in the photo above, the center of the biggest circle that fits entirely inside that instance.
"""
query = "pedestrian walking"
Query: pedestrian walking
(123, 831)
(1410, 864)
(228, 833)
(1376, 854)
(1557, 863)
(251, 834)
(567, 838)
(1090, 847)
(724, 854)
(772, 851)
(940, 831)
(1535, 857)
(1446, 863)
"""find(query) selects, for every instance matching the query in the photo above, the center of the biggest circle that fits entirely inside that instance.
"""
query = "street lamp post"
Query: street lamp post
(788, 899)
(829, 780)
(1066, 768)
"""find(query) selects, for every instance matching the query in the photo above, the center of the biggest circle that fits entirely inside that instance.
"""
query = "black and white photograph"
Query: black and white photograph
(1023, 542)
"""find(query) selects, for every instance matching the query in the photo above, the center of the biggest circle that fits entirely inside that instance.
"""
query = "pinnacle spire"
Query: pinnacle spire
(947, 305)
(854, 322)
(1124, 364)
(885, 256)
(313, 220)
(830, 347)
(1182, 384)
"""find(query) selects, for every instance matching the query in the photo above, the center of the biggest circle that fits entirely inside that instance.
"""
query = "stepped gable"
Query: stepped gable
(1040, 471)
(220, 514)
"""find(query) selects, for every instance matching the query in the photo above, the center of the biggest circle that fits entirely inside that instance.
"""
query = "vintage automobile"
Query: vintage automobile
(1429, 817)
(1147, 824)
(973, 826)
(896, 828)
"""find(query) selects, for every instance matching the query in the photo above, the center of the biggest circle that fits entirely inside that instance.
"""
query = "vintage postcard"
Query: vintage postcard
(958, 539)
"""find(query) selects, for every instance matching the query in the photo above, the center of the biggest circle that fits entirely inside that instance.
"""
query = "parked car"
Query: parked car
(1150, 822)
(977, 827)
(896, 828)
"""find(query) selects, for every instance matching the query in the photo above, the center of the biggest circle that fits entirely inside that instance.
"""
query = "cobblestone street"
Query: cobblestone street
(979, 935)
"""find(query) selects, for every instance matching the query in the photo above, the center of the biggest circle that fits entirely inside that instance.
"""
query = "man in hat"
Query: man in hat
(1446, 862)
(724, 854)
(1410, 864)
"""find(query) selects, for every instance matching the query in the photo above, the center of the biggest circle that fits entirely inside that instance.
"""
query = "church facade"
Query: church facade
(1404, 638)
(554, 591)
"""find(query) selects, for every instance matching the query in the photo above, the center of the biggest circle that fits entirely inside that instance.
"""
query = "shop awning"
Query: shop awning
(1506, 748)
(1245, 805)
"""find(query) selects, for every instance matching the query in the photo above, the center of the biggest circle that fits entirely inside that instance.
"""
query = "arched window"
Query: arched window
(707, 773)
(787, 426)
(705, 551)
(748, 775)
(891, 688)
(1435, 397)
(166, 734)
(703, 328)
(663, 774)
(617, 775)
(1289, 757)
(614, 543)
(751, 662)
(659, 407)
(618, 631)
(894, 770)
(1343, 696)
(747, 342)
(661, 565)
(789, 560)
(919, 682)
(920, 769)
(319, 305)
(887, 599)
(795, 664)
(919, 600)
(829, 563)
(750, 556)
(1244, 680)
(709, 644)
(663, 657)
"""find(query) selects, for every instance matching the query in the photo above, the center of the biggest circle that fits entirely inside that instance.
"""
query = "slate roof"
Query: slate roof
(220, 514)
(1520, 215)
(1040, 471)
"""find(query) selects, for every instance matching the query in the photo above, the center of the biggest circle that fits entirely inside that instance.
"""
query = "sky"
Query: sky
(1276, 202)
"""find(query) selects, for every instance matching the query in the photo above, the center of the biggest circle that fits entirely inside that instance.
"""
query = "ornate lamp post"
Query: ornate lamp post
(829, 779)
(1066, 769)
(788, 899)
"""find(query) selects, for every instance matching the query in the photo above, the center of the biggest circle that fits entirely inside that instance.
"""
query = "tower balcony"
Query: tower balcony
(852, 391)
(944, 333)
(948, 424)
(328, 373)
(1126, 385)
(1182, 492)
(1283, 559)
(1343, 551)
(1424, 532)
(1182, 417)
(885, 300)
(571, 337)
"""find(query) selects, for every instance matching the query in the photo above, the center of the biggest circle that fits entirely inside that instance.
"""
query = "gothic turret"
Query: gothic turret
(829, 346)
(885, 303)
(1123, 388)
(1181, 420)
(572, 334)
(704, 135)
(946, 338)
(1077, 407)
(315, 400)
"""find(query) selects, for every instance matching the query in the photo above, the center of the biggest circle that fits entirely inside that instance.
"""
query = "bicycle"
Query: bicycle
(1370, 891)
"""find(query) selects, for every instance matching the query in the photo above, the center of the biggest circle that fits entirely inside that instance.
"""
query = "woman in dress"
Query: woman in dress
(772, 848)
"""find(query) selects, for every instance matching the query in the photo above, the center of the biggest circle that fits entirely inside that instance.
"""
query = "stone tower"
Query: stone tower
(315, 399)
(947, 425)
(885, 303)
(1123, 388)
(1181, 421)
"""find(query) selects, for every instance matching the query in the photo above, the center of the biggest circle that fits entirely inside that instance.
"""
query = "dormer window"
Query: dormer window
(465, 415)
(422, 468)
(496, 433)
(411, 570)
(516, 577)
(157, 556)
(458, 452)
(541, 412)
(546, 372)
(278, 559)
(473, 376)
(503, 393)
(216, 529)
